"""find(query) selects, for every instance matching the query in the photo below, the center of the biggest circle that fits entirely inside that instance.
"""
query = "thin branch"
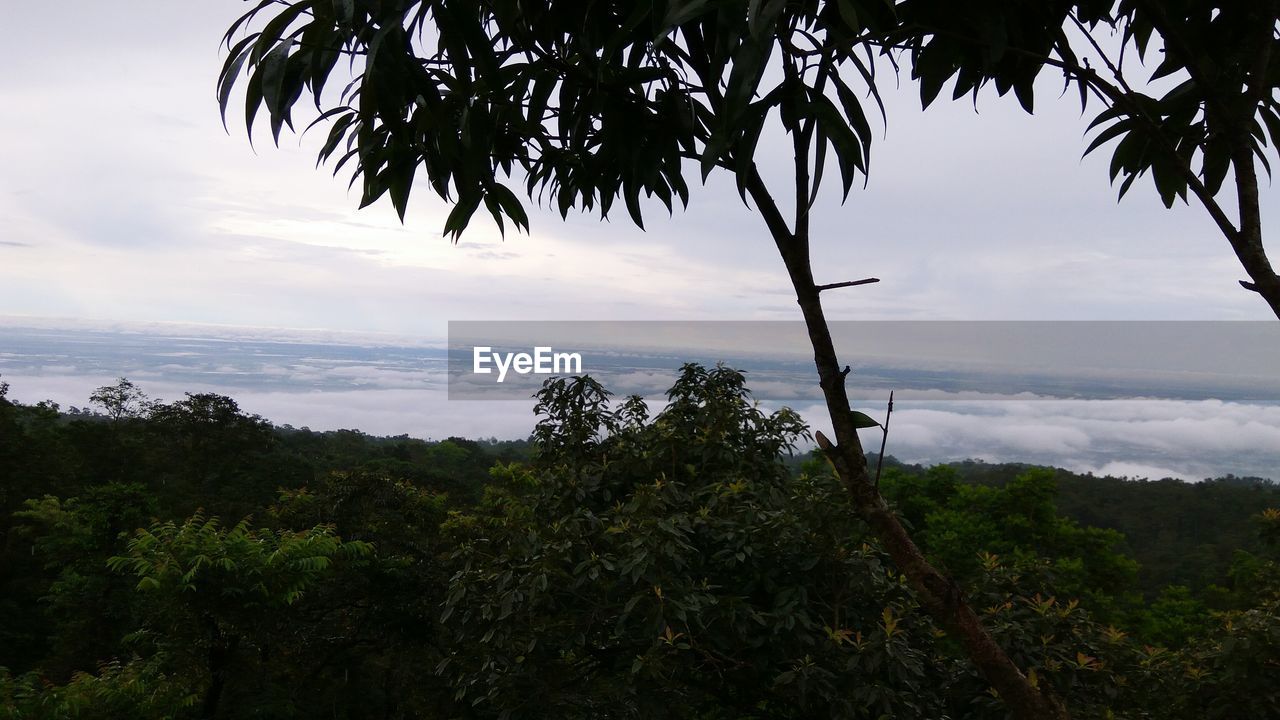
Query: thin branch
(851, 283)
(1115, 70)
(884, 440)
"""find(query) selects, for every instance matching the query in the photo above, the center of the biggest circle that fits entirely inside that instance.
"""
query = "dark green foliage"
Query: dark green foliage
(1017, 521)
(72, 487)
(624, 564)
(672, 567)
(1181, 533)
(68, 543)
(1175, 618)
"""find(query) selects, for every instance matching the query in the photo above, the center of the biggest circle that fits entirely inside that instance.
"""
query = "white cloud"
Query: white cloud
(1163, 438)
(1151, 438)
(1135, 471)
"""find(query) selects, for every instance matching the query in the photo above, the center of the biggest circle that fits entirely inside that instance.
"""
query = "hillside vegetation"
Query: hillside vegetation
(187, 559)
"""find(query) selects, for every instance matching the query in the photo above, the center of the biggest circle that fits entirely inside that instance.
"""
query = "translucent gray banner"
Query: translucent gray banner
(920, 360)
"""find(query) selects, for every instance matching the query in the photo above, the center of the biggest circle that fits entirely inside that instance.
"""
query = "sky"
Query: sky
(124, 203)
(124, 199)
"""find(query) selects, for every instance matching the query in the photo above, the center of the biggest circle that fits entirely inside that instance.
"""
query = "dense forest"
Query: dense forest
(188, 559)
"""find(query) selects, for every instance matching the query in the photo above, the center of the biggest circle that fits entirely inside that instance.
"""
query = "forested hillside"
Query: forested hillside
(188, 559)
(1181, 533)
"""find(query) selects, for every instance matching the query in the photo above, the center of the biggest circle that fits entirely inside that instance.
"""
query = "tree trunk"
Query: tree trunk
(1247, 241)
(219, 657)
(939, 594)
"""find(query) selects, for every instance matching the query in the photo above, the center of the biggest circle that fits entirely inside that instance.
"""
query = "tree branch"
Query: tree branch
(851, 283)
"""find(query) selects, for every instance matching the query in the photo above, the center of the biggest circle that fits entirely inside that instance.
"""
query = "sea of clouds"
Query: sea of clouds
(392, 386)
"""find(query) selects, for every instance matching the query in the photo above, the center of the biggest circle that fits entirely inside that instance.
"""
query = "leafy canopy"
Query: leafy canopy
(599, 101)
(590, 102)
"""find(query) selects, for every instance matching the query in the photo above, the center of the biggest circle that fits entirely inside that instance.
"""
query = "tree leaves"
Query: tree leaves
(862, 421)
(589, 103)
(238, 564)
(676, 559)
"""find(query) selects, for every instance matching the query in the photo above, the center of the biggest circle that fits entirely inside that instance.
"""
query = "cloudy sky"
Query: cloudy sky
(123, 199)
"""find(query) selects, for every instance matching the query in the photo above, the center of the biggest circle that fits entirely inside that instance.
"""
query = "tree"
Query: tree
(672, 566)
(609, 102)
(214, 592)
(75, 610)
(122, 400)
(212, 447)
(379, 635)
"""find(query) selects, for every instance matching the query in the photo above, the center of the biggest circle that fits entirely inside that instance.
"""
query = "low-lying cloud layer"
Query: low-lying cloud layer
(1191, 440)
(389, 389)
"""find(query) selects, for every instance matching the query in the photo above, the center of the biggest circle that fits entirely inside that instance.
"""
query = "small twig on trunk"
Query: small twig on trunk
(851, 283)
(884, 440)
